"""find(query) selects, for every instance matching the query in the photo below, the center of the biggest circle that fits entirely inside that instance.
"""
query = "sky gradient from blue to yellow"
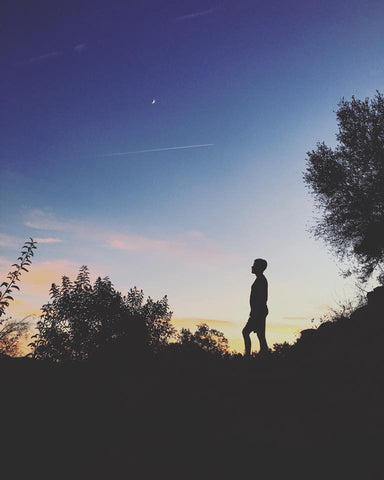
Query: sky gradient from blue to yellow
(257, 81)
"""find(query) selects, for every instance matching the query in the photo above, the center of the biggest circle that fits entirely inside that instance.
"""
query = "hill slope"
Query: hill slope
(314, 412)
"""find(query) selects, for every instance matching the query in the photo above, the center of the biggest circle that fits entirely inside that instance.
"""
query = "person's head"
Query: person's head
(259, 265)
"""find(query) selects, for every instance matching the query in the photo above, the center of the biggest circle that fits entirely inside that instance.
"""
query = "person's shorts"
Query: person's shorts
(256, 322)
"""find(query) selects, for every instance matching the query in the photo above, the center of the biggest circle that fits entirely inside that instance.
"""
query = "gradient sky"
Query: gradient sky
(258, 81)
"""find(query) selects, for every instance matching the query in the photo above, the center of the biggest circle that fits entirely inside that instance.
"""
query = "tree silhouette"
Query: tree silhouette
(83, 319)
(204, 340)
(348, 185)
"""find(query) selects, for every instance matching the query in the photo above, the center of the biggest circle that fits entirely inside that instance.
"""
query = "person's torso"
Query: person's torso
(259, 294)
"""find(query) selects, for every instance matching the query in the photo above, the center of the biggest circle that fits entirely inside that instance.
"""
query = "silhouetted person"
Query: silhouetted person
(259, 309)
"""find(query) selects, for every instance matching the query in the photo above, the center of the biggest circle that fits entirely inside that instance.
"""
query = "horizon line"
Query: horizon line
(156, 150)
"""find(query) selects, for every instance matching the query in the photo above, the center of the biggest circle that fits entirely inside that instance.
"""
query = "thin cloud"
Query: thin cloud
(187, 248)
(195, 15)
(8, 241)
(156, 150)
(191, 247)
(194, 321)
(48, 240)
(80, 48)
(11, 241)
(44, 57)
(133, 242)
(41, 220)
(42, 274)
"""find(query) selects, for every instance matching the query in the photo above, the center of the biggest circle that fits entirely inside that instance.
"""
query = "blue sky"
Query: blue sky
(258, 80)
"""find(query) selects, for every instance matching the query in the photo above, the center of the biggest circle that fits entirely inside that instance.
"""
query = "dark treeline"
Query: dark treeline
(96, 323)
(139, 401)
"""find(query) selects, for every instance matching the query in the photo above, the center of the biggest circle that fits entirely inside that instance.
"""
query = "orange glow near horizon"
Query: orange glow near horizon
(36, 283)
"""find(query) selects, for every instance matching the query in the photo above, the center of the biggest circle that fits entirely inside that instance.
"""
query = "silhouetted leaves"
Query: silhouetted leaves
(204, 340)
(83, 319)
(14, 275)
(348, 184)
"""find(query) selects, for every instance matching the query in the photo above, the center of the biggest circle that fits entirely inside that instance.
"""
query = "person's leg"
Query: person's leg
(261, 335)
(247, 340)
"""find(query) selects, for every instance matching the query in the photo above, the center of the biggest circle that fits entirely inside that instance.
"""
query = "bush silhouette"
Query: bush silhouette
(83, 320)
(204, 340)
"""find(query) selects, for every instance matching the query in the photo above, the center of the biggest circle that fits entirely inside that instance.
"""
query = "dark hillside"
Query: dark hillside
(348, 344)
(314, 412)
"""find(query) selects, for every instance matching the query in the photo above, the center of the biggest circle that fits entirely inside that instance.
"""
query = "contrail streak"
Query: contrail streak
(156, 150)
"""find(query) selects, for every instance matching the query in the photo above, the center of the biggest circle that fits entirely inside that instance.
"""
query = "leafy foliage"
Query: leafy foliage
(205, 339)
(348, 185)
(14, 275)
(83, 319)
(11, 332)
(281, 349)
